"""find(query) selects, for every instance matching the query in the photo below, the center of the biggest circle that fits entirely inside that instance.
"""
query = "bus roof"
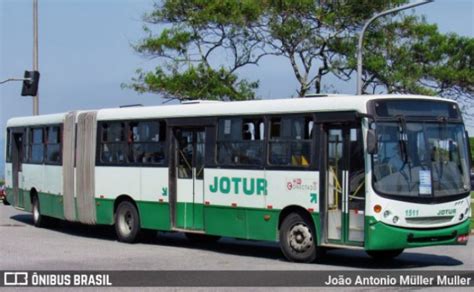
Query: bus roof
(234, 108)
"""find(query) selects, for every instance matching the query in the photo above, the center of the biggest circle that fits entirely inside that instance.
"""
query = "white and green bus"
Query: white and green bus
(378, 173)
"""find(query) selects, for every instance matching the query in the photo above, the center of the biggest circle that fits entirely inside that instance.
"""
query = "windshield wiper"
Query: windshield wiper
(443, 137)
(403, 138)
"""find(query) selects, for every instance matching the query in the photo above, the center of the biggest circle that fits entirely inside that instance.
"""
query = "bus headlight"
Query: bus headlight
(395, 219)
(386, 213)
(461, 217)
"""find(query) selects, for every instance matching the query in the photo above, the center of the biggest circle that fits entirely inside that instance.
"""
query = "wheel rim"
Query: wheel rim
(126, 221)
(35, 212)
(300, 238)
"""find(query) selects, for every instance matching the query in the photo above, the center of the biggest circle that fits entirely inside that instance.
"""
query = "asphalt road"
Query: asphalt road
(79, 247)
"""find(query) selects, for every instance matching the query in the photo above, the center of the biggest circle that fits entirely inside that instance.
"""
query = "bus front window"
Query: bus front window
(421, 159)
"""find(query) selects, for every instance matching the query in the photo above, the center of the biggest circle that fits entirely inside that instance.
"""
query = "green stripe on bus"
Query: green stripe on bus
(247, 223)
(105, 211)
(238, 222)
(185, 216)
(51, 205)
(154, 215)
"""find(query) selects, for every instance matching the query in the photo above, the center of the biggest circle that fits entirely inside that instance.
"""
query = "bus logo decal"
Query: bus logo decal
(297, 184)
(239, 185)
(446, 212)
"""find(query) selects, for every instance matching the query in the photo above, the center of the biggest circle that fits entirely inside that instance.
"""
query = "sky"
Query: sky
(85, 54)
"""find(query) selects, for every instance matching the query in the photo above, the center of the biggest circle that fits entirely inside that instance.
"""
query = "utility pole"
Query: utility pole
(31, 78)
(362, 33)
(35, 53)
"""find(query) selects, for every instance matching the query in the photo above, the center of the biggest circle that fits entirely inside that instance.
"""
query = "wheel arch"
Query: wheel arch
(303, 213)
(125, 197)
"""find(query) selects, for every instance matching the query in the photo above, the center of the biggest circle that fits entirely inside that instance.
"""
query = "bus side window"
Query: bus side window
(240, 141)
(53, 145)
(251, 148)
(290, 141)
(37, 145)
(113, 148)
(147, 142)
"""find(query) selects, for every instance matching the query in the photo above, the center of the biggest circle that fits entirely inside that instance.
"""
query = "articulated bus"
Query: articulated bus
(376, 173)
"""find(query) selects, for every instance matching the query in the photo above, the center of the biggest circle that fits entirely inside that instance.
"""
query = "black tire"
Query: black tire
(38, 219)
(384, 255)
(202, 238)
(298, 239)
(127, 222)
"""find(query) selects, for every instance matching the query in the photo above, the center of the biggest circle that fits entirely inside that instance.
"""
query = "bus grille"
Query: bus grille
(412, 239)
(429, 220)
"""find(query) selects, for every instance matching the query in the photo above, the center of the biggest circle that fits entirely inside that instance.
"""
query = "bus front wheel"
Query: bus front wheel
(127, 222)
(384, 255)
(298, 239)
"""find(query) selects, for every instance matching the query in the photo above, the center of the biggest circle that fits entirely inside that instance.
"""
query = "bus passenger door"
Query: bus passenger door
(345, 189)
(189, 149)
(17, 158)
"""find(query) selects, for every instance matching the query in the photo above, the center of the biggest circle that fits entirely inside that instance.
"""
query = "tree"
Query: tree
(421, 60)
(196, 36)
(313, 36)
(205, 43)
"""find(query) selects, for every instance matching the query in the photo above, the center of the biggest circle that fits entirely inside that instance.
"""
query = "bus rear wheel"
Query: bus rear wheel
(38, 219)
(384, 255)
(298, 239)
(127, 222)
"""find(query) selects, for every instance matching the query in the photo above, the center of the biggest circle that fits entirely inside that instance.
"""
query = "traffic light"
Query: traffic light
(30, 85)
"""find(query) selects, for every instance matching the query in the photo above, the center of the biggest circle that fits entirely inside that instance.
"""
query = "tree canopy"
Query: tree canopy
(201, 45)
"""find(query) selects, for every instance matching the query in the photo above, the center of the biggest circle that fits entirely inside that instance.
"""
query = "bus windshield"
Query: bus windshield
(421, 159)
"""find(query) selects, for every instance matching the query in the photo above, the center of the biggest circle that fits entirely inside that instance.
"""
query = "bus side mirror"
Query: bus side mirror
(372, 145)
(469, 151)
(30, 84)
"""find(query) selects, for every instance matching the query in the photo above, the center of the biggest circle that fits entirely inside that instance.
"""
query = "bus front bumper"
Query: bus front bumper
(380, 236)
